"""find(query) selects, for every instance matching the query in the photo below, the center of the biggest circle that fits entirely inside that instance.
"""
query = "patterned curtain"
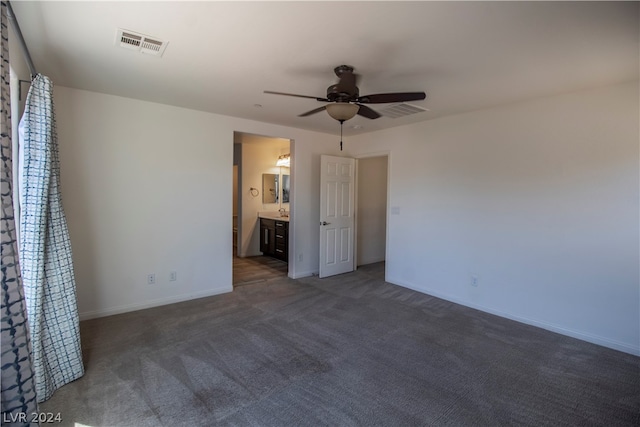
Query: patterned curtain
(18, 386)
(45, 249)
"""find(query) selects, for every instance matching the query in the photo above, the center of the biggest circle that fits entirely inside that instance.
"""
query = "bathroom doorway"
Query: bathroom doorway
(261, 189)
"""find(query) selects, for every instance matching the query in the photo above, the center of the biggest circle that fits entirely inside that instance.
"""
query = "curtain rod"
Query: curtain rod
(23, 45)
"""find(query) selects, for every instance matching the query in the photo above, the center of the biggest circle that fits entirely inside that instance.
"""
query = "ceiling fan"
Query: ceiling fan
(345, 101)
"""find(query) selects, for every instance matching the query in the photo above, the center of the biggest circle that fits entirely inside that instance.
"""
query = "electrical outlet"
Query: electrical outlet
(173, 276)
(151, 279)
(474, 281)
(299, 257)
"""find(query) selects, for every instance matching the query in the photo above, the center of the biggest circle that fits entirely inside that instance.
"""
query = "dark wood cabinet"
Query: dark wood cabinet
(274, 238)
(267, 236)
(282, 240)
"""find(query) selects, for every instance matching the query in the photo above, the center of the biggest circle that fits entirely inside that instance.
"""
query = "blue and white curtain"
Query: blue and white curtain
(17, 381)
(45, 249)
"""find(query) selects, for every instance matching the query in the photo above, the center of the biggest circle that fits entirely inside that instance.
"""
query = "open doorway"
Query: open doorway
(351, 238)
(261, 199)
(372, 173)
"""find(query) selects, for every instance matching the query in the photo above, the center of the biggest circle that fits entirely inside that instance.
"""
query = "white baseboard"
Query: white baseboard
(594, 339)
(371, 261)
(301, 274)
(153, 303)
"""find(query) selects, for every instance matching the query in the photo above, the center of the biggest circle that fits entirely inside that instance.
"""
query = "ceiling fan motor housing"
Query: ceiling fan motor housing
(345, 90)
(342, 93)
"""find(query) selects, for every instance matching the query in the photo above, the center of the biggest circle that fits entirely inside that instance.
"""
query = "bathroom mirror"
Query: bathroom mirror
(285, 188)
(269, 188)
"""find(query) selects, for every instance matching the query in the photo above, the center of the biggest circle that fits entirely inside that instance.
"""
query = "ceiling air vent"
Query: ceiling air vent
(140, 42)
(401, 110)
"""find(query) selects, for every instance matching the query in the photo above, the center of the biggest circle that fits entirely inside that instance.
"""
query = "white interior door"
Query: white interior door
(337, 183)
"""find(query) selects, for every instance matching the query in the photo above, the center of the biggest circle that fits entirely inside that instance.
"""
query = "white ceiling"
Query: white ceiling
(222, 55)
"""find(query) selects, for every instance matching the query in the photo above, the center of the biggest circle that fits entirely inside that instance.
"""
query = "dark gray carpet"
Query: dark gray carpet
(348, 350)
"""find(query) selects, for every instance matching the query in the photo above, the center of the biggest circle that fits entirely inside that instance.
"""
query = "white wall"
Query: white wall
(539, 200)
(259, 156)
(372, 210)
(147, 188)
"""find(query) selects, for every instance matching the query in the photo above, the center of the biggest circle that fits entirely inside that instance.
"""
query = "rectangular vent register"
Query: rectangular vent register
(401, 110)
(140, 42)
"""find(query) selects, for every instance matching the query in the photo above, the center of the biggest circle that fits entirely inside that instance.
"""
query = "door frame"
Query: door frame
(357, 158)
(237, 138)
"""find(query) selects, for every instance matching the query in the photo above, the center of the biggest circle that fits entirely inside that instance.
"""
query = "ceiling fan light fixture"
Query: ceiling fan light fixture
(342, 111)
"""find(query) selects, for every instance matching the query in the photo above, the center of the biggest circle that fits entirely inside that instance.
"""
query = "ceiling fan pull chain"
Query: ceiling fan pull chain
(341, 122)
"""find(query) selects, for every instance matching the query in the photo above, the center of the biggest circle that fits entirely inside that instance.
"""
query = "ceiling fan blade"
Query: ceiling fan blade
(367, 112)
(382, 98)
(315, 110)
(296, 95)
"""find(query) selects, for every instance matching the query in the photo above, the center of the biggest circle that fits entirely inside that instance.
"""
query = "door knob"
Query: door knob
(325, 223)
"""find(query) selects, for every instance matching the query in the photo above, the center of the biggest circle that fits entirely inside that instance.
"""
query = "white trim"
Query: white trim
(382, 153)
(373, 261)
(356, 183)
(301, 274)
(153, 303)
(594, 339)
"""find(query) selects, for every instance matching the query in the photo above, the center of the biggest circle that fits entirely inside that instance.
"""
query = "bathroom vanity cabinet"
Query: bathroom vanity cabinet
(274, 238)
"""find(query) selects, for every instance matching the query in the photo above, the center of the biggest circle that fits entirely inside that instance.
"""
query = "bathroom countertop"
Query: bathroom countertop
(273, 215)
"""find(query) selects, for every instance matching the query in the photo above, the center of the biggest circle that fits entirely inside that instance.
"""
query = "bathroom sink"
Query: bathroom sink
(274, 215)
